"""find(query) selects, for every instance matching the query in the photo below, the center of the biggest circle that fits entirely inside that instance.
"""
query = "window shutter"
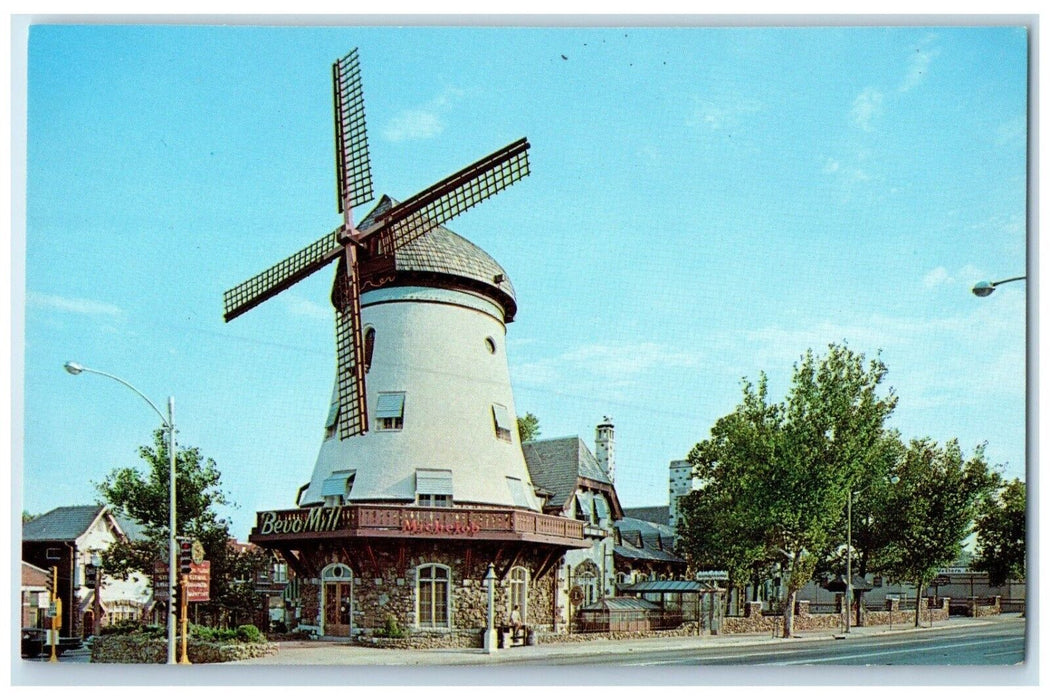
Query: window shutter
(434, 482)
(390, 406)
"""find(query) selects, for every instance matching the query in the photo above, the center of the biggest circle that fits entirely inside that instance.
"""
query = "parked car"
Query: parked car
(34, 642)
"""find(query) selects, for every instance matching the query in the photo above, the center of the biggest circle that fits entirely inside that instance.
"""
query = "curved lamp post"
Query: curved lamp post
(984, 288)
(849, 550)
(169, 425)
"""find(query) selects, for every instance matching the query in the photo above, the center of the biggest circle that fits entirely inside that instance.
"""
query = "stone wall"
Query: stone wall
(385, 583)
(138, 649)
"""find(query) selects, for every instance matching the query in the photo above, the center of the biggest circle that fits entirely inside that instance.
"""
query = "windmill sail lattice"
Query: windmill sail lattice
(391, 231)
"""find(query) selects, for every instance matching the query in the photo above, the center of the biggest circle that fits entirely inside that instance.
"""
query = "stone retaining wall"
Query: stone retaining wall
(138, 649)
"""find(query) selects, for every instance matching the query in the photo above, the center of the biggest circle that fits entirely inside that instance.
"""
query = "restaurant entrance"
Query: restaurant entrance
(338, 600)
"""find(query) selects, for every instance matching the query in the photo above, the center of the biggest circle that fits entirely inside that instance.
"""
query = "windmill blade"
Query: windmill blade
(352, 166)
(350, 355)
(452, 196)
(281, 276)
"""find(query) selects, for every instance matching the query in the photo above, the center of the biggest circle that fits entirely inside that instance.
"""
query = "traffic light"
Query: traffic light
(185, 555)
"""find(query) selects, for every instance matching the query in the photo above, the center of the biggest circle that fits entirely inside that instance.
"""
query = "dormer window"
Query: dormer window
(501, 421)
(336, 488)
(390, 411)
(434, 488)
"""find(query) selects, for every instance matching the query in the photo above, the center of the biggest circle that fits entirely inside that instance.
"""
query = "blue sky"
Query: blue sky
(704, 204)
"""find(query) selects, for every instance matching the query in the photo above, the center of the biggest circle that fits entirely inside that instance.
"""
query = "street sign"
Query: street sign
(52, 610)
(576, 595)
(197, 584)
(940, 581)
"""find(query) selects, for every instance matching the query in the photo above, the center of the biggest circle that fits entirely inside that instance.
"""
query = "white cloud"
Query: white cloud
(867, 107)
(600, 367)
(918, 68)
(936, 277)
(87, 307)
(831, 165)
(422, 122)
(1012, 131)
(299, 306)
(724, 114)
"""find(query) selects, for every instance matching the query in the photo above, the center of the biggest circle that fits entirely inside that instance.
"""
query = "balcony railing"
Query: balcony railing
(414, 521)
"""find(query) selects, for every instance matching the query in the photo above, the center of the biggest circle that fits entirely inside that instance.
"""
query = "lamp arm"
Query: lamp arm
(164, 420)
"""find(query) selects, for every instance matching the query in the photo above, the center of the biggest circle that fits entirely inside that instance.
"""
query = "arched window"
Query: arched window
(519, 591)
(370, 344)
(433, 595)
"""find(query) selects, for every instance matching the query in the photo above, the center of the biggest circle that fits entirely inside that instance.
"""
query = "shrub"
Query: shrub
(135, 627)
(250, 634)
(391, 628)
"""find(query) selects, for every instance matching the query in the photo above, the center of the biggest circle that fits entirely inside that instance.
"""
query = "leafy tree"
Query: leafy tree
(1001, 534)
(528, 427)
(870, 536)
(27, 516)
(779, 473)
(929, 512)
(144, 496)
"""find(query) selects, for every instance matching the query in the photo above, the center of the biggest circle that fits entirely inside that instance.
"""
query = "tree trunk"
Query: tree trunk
(918, 608)
(789, 613)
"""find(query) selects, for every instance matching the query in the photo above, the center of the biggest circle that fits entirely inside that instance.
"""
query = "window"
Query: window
(434, 488)
(390, 411)
(432, 595)
(519, 591)
(333, 419)
(336, 488)
(490, 345)
(501, 419)
(370, 345)
(517, 492)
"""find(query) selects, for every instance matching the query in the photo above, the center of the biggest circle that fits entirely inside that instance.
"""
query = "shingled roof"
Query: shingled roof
(651, 514)
(63, 524)
(557, 463)
(444, 252)
(66, 523)
(640, 539)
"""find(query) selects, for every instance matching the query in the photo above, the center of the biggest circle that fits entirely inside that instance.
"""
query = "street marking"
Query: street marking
(875, 653)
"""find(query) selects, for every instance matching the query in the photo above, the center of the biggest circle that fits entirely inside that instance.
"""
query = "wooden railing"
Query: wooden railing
(415, 520)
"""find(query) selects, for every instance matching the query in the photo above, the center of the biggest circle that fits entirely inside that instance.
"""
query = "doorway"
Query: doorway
(337, 600)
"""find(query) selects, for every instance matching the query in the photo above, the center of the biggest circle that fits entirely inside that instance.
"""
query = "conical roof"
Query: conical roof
(441, 257)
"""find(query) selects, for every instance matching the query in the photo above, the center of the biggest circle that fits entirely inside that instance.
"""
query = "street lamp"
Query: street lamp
(984, 288)
(169, 425)
(849, 550)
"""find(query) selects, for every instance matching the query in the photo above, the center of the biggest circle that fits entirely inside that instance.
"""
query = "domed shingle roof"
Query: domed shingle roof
(444, 253)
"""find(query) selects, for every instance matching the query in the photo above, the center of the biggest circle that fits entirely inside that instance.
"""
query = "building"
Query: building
(623, 549)
(681, 482)
(36, 597)
(66, 538)
(406, 519)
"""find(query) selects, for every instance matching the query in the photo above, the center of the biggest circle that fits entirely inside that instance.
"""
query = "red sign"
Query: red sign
(436, 527)
(197, 584)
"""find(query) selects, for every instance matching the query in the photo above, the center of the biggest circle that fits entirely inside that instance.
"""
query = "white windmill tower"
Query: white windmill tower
(422, 410)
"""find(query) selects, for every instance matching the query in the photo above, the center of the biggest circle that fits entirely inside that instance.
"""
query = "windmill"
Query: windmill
(366, 257)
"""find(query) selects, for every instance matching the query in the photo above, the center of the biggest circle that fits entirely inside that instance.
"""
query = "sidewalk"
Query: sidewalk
(337, 653)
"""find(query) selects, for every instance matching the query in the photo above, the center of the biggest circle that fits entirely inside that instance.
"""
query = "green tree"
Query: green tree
(780, 472)
(1001, 534)
(528, 427)
(930, 510)
(870, 534)
(144, 496)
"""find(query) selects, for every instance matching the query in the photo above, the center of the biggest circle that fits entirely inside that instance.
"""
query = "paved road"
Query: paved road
(999, 644)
